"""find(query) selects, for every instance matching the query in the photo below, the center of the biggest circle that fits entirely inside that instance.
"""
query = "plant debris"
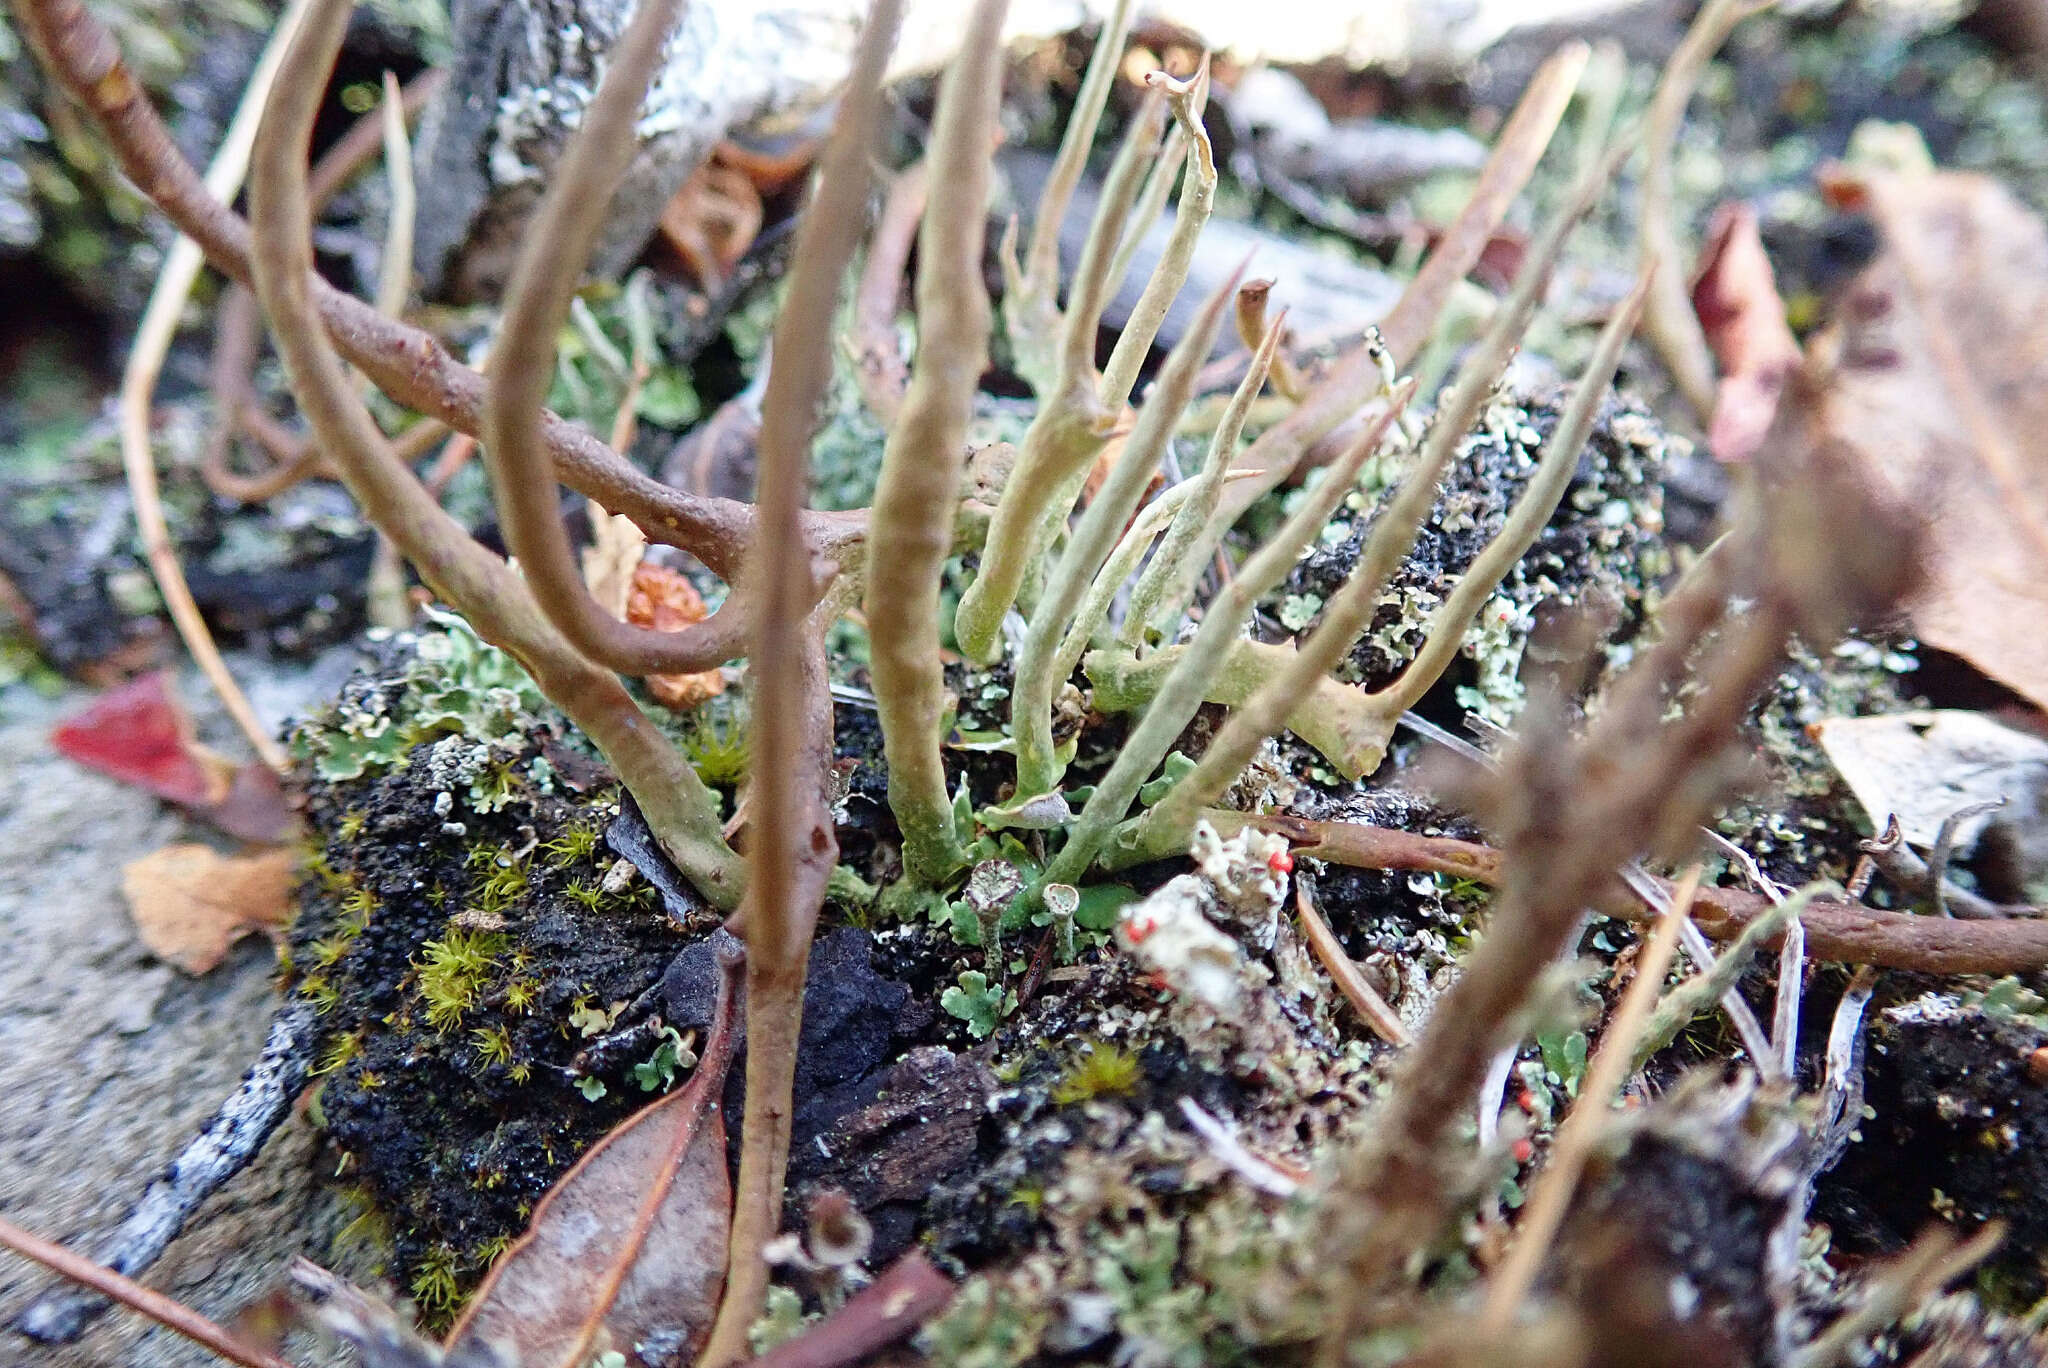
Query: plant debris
(191, 903)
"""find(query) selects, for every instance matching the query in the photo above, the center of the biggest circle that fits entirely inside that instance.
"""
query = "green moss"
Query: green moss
(437, 1285)
(1100, 1069)
(716, 746)
(503, 885)
(339, 1051)
(451, 973)
(493, 1044)
(574, 845)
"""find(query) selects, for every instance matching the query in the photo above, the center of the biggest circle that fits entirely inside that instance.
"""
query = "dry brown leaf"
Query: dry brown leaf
(1921, 767)
(628, 1249)
(190, 902)
(1736, 298)
(665, 600)
(1932, 381)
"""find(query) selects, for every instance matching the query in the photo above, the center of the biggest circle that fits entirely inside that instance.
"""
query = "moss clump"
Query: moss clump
(1099, 1069)
(444, 948)
(451, 973)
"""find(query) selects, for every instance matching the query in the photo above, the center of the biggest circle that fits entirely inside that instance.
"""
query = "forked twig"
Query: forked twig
(557, 245)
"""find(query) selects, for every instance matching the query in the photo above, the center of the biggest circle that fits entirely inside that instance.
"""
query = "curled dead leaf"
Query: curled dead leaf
(627, 1251)
(665, 600)
(190, 903)
(1927, 386)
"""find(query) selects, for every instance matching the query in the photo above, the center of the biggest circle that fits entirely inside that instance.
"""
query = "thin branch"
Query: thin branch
(173, 1316)
(1145, 526)
(1351, 608)
(1182, 693)
(1837, 930)
(911, 526)
(1532, 513)
(1344, 973)
(791, 846)
(1197, 197)
(1151, 203)
(153, 337)
(1030, 293)
(878, 365)
(238, 332)
(1071, 426)
(231, 1137)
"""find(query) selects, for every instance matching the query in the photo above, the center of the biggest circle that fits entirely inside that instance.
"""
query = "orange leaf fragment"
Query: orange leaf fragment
(664, 599)
(190, 902)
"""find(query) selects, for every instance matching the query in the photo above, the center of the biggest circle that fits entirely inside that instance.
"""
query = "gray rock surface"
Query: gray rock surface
(109, 1060)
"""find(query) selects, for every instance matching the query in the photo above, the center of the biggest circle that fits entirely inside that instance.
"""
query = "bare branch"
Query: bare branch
(791, 846)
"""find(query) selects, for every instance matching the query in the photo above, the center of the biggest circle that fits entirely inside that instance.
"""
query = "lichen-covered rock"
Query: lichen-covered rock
(1602, 549)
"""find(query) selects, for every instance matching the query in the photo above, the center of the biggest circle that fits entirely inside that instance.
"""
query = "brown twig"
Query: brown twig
(1352, 984)
(791, 846)
(1838, 930)
(494, 598)
(173, 1316)
(907, 1295)
(1580, 1130)
(878, 365)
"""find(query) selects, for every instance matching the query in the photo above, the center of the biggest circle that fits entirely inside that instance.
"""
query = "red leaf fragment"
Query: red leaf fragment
(1736, 299)
(140, 734)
